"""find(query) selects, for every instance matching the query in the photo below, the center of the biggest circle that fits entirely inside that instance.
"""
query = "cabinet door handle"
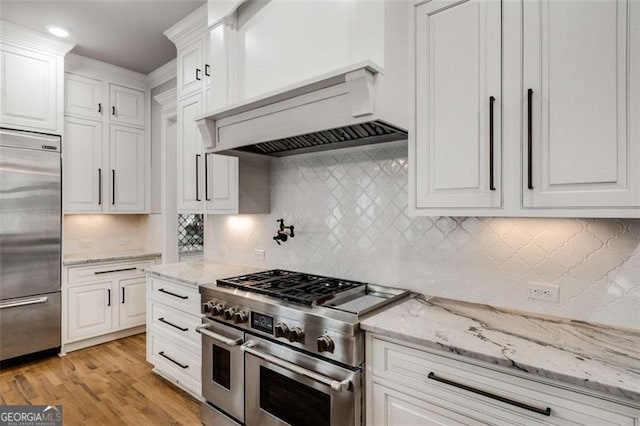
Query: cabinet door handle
(172, 324)
(99, 186)
(161, 353)
(162, 290)
(198, 74)
(108, 297)
(491, 183)
(110, 271)
(197, 176)
(206, 70)
(545, 411)
(113, 186)
(123, 295)
(113, 110)
(206, 177)
(529, 139)
(99, 108)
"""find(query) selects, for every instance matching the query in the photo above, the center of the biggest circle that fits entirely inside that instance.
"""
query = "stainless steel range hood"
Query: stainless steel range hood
(348, 107)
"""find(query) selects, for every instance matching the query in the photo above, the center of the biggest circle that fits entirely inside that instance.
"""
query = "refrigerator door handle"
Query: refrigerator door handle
(34, 301)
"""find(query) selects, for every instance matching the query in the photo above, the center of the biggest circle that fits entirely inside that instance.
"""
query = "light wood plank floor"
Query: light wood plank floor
(109, 384)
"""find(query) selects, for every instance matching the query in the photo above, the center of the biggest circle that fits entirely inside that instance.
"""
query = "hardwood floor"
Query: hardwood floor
(109, 384)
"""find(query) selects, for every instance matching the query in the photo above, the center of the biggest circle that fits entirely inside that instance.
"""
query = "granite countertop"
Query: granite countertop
(200, 271)
(81, 258)
(602, 358)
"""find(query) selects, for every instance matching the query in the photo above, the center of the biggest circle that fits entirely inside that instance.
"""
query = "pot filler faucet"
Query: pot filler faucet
(284, 232)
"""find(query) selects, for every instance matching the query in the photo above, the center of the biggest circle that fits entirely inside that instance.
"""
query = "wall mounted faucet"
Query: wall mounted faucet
(284, 232)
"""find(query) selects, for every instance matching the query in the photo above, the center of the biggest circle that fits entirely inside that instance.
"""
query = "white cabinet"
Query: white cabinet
(107, 150)
(127, 155)
(561, 78)
(173, 313)
(128, 105)
(190, 156)
(31, 80)
(209, 183)
(190, 68)
(581, 60)
(83, 97)
(91, 310)
(458, 106)
(411, 385)
(103, 301)
(83, 172)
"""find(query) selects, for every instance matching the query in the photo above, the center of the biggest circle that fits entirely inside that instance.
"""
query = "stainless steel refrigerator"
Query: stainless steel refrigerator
(30, 242)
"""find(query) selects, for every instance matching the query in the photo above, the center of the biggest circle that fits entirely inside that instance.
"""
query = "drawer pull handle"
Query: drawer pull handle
(161, 353)
(545, 411)
(35, 301)
(202, 329)
(172, 324)
(114, 270)
(162, 290)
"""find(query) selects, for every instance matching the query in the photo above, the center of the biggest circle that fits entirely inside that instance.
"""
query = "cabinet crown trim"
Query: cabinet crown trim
(29, 39)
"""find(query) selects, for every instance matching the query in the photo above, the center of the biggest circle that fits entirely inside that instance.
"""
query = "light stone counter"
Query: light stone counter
(199, 272)
(80, 259)
(598, 357)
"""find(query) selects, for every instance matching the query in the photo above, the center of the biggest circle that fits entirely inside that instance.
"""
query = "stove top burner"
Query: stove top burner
(312, 290)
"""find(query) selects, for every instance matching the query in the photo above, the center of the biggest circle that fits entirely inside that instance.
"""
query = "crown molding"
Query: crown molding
(80, 64)
(194, 23)
(167, 99)
(162, 74)
(23, 37)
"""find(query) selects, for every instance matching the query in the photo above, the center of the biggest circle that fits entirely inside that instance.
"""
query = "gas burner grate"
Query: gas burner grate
(311, 290)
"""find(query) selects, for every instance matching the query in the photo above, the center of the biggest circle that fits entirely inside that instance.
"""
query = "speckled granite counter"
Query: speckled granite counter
(198, 272)
(79, 259)
(598, 357)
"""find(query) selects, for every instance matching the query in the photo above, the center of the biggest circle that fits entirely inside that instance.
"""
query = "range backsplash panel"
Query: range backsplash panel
(350, 215)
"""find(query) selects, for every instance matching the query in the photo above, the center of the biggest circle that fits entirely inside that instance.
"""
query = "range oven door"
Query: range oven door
(223, 368)
(285, 387)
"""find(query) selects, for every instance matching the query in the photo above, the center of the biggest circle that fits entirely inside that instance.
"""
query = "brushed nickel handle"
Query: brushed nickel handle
(35, 301)
(202, 329)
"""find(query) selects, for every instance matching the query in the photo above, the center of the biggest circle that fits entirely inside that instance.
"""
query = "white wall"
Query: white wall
(350, 215)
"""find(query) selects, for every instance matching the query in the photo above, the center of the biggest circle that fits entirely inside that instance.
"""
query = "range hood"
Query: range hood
(349, 107)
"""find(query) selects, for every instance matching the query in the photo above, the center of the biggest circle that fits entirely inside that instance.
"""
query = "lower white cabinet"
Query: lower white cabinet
(103, 301)
(173, 345)
(417, 386)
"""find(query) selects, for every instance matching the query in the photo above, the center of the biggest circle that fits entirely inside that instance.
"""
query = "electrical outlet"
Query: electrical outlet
(258, 254)
(545, 292)
(125, 242)
(223, 251)
(85, 244)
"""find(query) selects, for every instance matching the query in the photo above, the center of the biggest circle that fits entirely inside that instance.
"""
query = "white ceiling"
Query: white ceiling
(124, 33)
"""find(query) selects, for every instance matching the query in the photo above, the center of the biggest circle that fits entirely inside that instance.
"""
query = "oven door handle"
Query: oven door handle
(202, 329)
(336, 385)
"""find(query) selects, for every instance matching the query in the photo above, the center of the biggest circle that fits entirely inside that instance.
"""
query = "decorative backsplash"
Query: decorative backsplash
(349, 209)
(190, 233)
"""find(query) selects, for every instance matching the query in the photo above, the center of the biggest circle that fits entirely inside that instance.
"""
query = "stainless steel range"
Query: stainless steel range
(282, 347)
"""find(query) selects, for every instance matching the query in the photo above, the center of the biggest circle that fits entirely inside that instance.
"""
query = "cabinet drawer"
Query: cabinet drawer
(178, 358)
(102, 271)
(172, 322)
(183, 297)
(414, 369)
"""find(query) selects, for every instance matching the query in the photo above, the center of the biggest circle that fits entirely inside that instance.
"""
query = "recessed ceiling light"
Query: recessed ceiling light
(58, 31)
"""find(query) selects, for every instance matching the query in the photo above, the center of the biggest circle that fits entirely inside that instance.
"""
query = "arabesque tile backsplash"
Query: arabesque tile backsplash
(349, 209)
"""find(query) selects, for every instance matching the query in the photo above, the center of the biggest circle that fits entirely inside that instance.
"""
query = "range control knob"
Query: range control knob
(207, 308)
(240, 317)
(280, 330)
(228, 313)
(325, 344)
(295, 335)
(217, 309)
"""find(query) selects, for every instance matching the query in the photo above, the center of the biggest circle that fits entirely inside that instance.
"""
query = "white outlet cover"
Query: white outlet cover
(85, 243)
(259, 255)
(223, 251)
(543, 291)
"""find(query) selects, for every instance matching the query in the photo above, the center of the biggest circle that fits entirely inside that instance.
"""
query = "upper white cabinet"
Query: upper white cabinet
(128, 105)
(190, 157)
(581, 68)
(31, 85)
(106, 148)
(525, 108)
(83, 97)
(190, 67)
(458, 112)
(221, 184)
